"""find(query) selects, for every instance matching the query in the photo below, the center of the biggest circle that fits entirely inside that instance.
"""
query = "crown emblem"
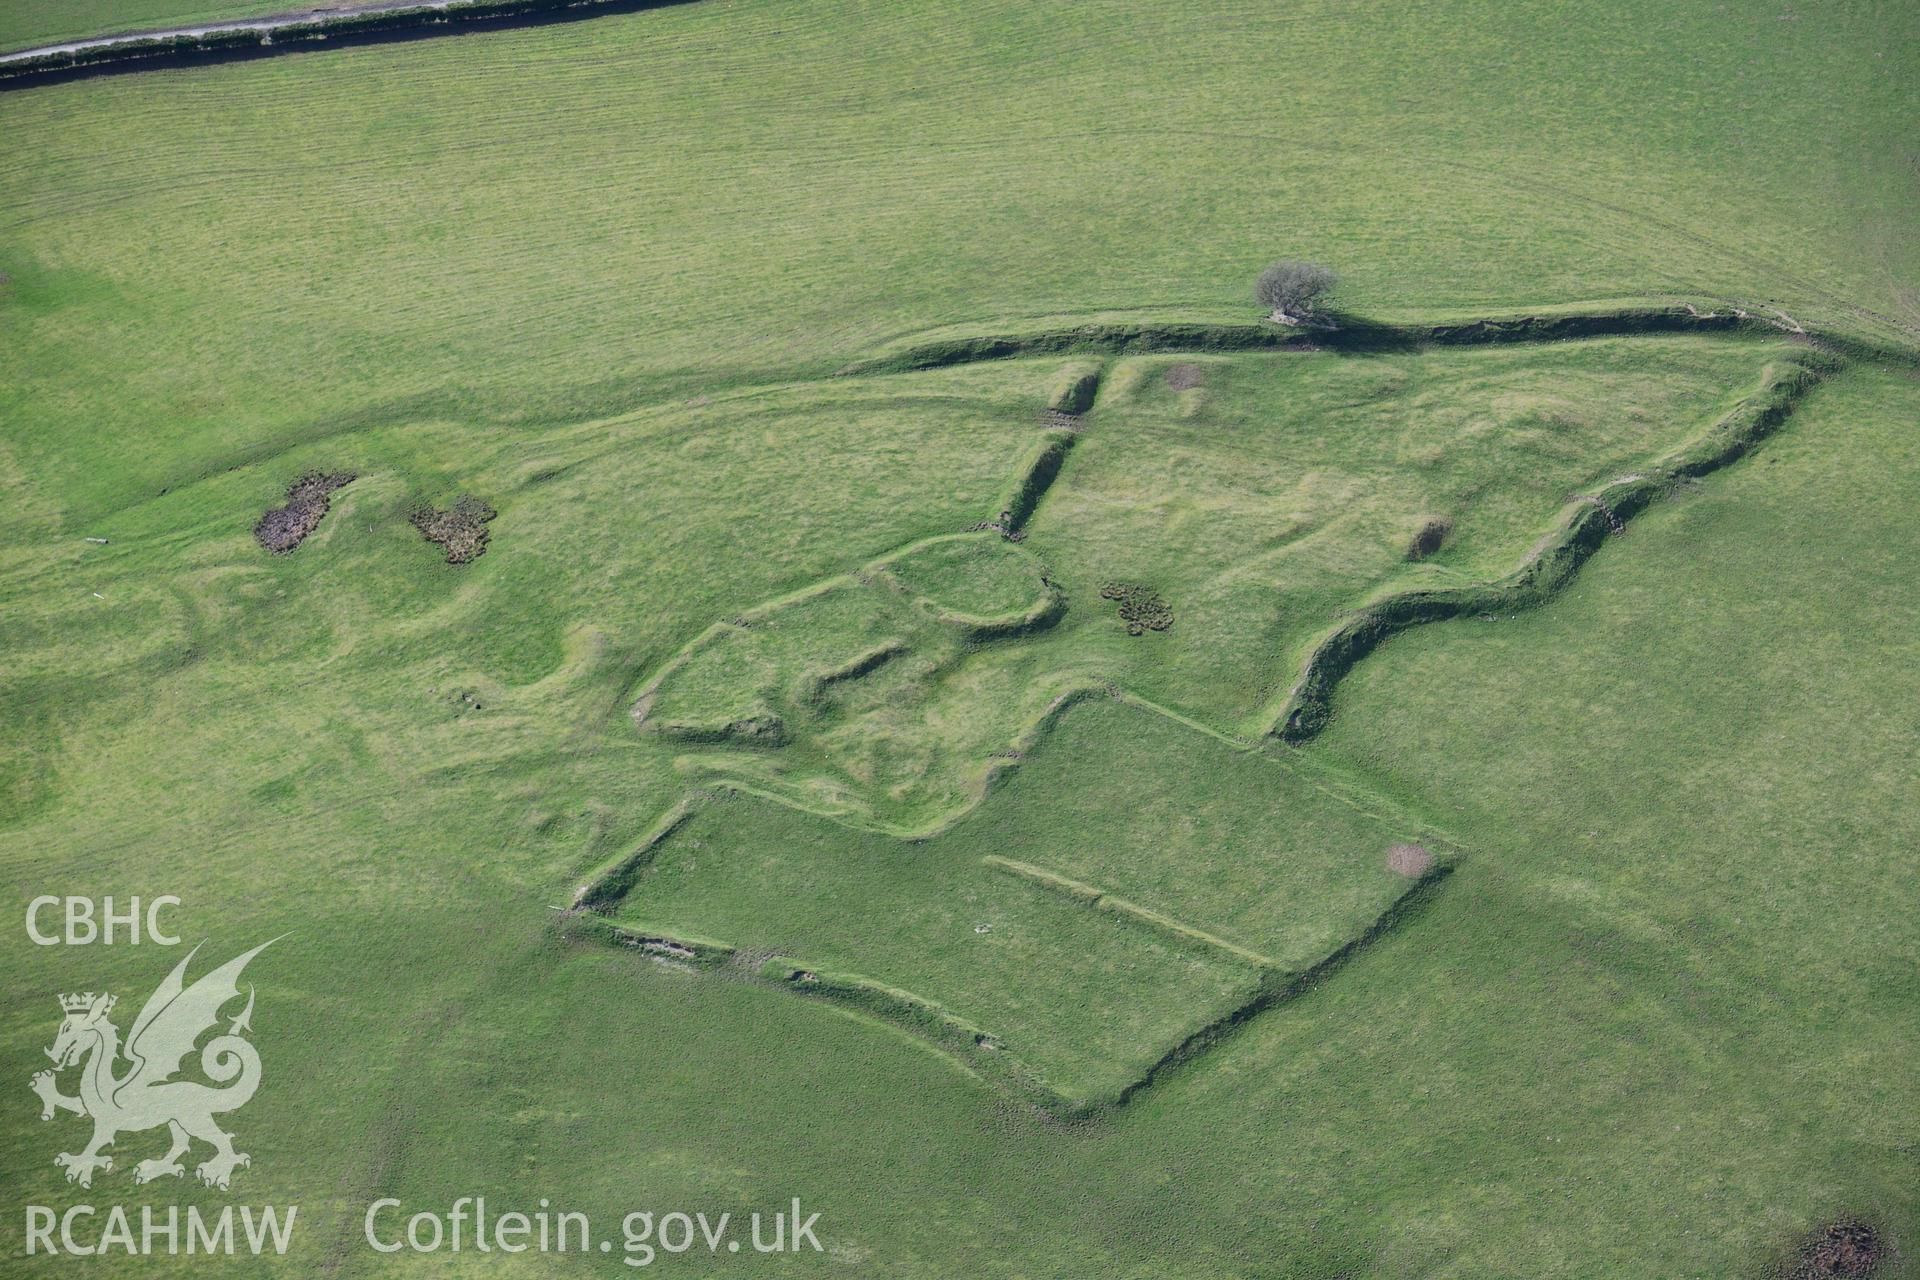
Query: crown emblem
(80, 1003)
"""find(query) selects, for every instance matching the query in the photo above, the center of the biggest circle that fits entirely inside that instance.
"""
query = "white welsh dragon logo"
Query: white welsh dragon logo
(145, 1095)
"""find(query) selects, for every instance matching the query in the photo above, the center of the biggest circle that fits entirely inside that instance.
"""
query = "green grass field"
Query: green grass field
(1013, 943)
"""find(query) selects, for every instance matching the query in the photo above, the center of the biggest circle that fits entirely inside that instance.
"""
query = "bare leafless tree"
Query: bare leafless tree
(1293, 290)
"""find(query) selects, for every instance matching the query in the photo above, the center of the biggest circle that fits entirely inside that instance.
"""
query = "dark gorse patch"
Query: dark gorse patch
(461, 529)
(282, 529)
(1850, 1249)
(1141, 608)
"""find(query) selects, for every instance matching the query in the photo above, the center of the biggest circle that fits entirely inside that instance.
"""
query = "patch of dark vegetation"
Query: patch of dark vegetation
(1847, 1250)
(1429, 538)
(461, 528)
(1184, 376)
(1141, 608)
(282, 529)
(1558, 559)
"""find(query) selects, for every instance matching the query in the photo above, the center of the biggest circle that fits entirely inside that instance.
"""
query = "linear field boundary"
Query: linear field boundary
(1360, 335)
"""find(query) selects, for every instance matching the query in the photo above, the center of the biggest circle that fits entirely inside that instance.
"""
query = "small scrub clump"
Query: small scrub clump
(461, 529)
(282, 529)
(1141, 608)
